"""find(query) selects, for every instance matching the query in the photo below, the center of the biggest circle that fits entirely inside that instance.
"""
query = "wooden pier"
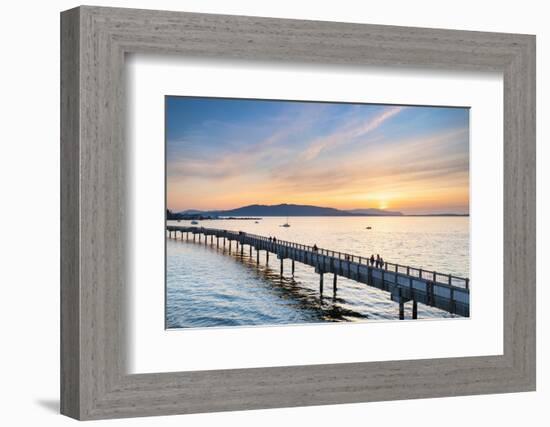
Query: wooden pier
(404, 283)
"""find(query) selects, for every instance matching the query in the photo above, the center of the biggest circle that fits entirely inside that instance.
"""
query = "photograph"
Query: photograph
(286, 212)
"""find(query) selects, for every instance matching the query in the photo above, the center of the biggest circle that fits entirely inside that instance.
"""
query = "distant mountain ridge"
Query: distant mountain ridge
(292, 210)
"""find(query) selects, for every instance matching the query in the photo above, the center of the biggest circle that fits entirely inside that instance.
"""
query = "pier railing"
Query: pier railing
(441, 278)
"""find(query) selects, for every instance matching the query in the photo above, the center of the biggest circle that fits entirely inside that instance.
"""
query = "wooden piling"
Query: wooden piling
(257, 256)
(282, 264)
(401, 305)
(415, 310)
(293, 268)
(334, 284)
(321, 283)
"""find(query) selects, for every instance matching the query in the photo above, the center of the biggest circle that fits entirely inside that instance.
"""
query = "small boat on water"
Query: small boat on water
(256, 222)
(194, 222)
(286, 224)
(369, 227)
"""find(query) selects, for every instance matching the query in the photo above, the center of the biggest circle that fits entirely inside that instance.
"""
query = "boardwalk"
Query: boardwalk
(403, 283)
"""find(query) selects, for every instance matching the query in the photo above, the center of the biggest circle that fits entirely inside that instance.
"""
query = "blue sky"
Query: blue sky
(226, 153)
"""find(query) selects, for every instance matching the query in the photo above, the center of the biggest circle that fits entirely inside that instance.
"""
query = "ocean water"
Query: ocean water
(211, 287)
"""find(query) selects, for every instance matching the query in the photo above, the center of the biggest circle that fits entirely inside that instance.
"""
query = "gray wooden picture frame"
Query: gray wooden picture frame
(94, 41)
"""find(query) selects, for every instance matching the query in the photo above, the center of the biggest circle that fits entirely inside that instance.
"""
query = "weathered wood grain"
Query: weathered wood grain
(94, 382)
(70, 221)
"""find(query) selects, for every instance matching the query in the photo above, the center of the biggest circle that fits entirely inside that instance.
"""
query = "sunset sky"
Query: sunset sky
(224, 154)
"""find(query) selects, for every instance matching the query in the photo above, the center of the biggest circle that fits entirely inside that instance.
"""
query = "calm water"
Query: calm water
(211, 287)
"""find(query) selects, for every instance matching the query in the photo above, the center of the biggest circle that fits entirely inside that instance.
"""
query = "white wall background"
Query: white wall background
(29, 237)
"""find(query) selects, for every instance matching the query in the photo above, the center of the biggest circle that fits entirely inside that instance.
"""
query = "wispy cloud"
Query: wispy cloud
(377, 121)
(348, 133)
(412, 159)
(192, 158)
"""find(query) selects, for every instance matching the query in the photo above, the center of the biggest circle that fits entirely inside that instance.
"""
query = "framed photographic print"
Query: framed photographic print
(262, 213)
(263, 172)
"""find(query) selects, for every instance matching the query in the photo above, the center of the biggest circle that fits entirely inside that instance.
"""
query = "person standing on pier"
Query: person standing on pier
(377, 260)
(372, 259)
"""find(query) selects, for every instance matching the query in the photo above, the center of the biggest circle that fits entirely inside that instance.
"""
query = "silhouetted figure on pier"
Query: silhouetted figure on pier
(381, 262)
(372, 260)
(314, 247)
(377, 260)
(274, 239)
(270, 239)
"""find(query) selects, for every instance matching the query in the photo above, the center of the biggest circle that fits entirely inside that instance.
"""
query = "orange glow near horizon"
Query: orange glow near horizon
(431, 197)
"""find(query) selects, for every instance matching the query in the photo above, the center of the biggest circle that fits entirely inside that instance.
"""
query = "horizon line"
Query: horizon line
(347, 210)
